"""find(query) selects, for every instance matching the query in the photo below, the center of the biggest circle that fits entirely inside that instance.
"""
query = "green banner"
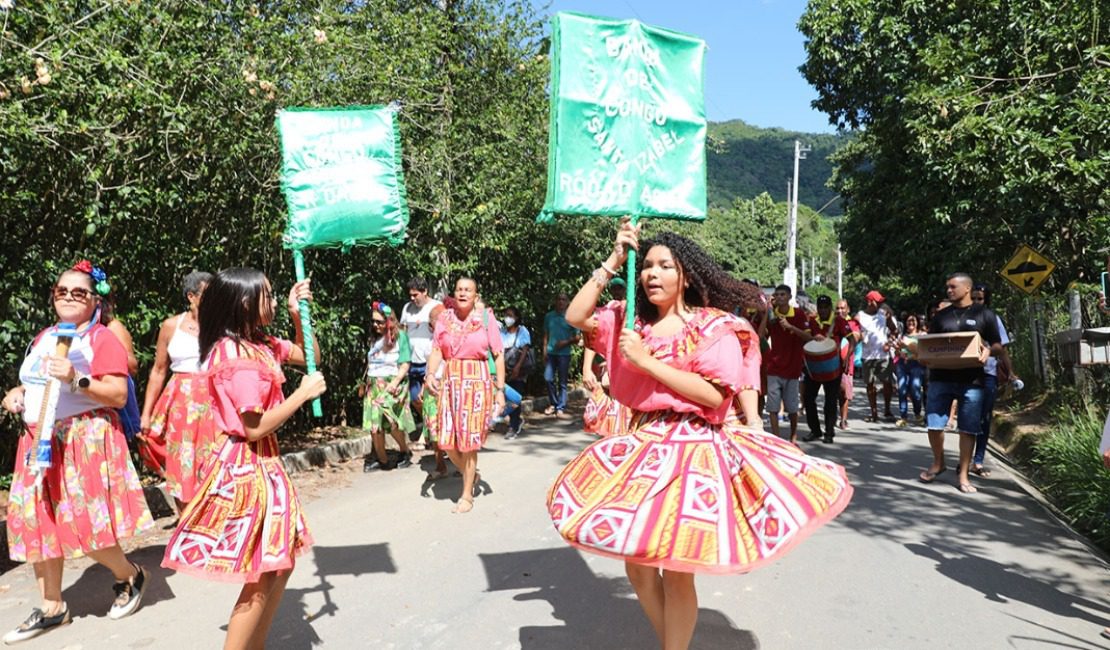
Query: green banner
(341, 174)
(627, 129)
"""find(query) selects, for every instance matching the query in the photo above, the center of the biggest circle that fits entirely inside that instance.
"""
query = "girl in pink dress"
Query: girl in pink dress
(89, 497)
(681, 493)
(245, 523)
(468, 396)
(178, 431)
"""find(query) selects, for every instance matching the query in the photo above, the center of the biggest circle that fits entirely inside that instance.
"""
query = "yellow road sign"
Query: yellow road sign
(1027, 269)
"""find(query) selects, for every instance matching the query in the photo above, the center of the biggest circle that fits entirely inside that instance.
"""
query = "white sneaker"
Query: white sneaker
(129, 595)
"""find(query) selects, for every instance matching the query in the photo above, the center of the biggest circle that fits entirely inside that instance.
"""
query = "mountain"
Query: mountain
(744, 161)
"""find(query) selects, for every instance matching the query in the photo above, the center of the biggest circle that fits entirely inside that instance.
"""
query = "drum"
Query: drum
(822, 360)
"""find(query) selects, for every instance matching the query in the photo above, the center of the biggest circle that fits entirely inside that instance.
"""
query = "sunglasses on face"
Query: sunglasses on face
(377, 322)
(76, 293)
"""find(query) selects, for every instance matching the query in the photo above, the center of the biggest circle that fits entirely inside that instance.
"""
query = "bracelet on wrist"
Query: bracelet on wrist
(605, 267)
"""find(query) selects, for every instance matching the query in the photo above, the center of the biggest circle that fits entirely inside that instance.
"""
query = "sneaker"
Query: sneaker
(811, 437)
(511, 434)
(828, 440)
(372, 464)
(129, 595)
(405, 460)
(919, 419)
(36, 624)
(902, 422)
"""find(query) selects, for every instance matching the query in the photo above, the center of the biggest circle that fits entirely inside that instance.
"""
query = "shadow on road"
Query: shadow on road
(91, 594)
(292, 628)
(599, 613)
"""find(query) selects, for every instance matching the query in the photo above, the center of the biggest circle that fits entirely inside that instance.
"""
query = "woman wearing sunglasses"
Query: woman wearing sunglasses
(89, 496)
(385, 393)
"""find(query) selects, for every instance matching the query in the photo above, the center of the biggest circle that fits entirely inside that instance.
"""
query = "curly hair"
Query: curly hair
(709, 284)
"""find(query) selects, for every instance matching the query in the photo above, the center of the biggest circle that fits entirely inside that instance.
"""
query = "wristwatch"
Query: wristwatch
(80, 381)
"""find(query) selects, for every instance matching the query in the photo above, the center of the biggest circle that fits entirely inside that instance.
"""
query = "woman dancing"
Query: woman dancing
(681, 493)
(245, 524)
(469, 396)
(178, 433)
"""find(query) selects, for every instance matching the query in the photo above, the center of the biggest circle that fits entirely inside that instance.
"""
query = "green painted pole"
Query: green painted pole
(306, 329)
(630, 284)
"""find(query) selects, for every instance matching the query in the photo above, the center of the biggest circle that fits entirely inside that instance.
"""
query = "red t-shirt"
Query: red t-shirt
(784, 359)
(837, 330)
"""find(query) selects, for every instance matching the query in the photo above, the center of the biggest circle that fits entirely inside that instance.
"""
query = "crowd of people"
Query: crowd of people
(678, 396)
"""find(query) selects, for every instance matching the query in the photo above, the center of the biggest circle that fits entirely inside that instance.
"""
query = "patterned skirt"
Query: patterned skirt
(87, 500)
(681, 494)
(182, 435)
(465, 405)
(429, 410)
(246, 519)
(382, 411)
(604, 415)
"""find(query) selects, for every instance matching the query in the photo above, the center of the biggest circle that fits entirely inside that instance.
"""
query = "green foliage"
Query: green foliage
(1071, 472)
(981, 125)
(745, 161)
(141, 135)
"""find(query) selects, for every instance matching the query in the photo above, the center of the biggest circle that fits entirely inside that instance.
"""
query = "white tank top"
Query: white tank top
(184, 350)
(417, 322)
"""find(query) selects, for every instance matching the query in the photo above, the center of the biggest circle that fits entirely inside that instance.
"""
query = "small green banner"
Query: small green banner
(341, 174)
(627, 128)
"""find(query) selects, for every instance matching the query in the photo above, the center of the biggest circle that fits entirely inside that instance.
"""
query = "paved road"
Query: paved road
(906, 566)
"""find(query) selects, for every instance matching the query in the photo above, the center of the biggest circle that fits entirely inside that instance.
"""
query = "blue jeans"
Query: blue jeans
(515, 411)
(990, 391)
(416, 384)
(969, 406)
(910, 375)
(557, 366)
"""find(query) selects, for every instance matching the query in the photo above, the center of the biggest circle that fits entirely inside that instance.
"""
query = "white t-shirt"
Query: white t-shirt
(112, 359)
(417, 322)
(874, 333)
(991, 367)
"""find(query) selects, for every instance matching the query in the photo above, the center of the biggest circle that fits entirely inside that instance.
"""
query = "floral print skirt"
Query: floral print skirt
(384, 411)
(87, 500)
(182, 435)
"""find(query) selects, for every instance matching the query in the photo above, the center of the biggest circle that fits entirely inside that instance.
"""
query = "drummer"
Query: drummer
(788, 330)
(828, 331)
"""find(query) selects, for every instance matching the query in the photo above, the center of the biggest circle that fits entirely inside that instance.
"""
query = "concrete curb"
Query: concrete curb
(342, 450)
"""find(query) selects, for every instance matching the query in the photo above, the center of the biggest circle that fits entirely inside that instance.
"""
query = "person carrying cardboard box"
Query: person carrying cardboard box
(963, 384)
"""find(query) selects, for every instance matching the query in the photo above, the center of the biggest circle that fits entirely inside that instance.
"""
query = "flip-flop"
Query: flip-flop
(929, 477)
(979, 470)
(968, 488)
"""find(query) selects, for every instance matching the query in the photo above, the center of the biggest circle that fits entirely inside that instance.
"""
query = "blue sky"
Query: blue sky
(751, 69)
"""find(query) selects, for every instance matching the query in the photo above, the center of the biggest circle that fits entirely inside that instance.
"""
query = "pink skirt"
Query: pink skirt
(87, 500)
(182, 434)
(681, 494)
(465, 405)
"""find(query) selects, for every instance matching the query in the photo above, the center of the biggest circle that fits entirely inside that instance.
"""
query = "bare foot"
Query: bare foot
(464, 506)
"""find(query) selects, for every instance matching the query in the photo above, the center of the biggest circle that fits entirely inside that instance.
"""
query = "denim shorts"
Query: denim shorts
(969, 406)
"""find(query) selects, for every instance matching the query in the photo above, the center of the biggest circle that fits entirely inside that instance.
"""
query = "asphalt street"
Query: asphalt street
(907, 565)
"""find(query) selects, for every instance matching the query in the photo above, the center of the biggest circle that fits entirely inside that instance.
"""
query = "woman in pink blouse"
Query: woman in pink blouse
(683, 491)
(469, 395)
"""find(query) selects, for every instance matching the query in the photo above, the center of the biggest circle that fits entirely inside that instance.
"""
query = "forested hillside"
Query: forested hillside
(746, 160)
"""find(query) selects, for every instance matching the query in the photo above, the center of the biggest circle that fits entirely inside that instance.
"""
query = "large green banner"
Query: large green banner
(627, 130)
(341, 174)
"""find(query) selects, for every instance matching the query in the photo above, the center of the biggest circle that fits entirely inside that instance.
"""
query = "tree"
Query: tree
(981, 125)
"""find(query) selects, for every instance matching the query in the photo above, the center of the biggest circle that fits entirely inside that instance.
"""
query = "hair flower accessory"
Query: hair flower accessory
(382, 307)
(100, 278)
(84, 266)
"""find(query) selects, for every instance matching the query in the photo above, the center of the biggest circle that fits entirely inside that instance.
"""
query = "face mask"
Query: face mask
(510, 321)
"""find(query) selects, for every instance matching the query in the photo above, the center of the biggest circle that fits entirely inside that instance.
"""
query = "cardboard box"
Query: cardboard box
(950, 351)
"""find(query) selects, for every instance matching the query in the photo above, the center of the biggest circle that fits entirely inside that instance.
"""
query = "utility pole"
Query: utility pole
(839, 273)
(790, 275)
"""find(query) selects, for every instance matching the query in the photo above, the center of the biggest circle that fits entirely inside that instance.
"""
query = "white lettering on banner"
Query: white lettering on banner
(659, 146)
(597, 188)
(637, 79)
(619, 47)
(603, 138)
(625, 107)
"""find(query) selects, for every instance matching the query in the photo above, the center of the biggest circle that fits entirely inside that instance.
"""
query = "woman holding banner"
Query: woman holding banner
(85, 496)
(679, 474)
(471, 392)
